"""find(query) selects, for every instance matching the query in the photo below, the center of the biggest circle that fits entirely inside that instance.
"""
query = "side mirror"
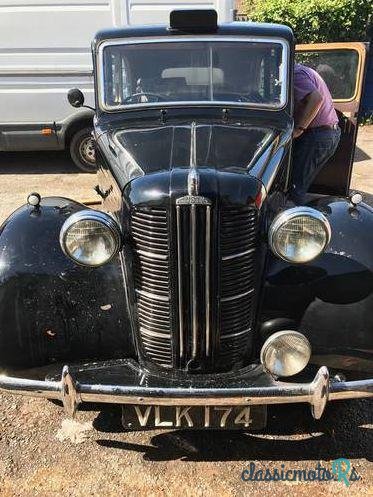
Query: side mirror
(75, 97)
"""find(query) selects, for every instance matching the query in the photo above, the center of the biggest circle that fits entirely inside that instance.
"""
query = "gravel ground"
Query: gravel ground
(42, 453)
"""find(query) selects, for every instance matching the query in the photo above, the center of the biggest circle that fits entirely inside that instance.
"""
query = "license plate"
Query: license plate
(140, 417)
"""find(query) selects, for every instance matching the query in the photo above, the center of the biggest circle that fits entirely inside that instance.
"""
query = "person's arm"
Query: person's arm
(307, 111)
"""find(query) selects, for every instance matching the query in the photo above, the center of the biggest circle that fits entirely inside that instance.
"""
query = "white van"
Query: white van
(45, 51)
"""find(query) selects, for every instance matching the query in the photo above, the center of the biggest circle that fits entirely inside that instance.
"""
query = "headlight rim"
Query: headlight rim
(91, 215)
(278, 334)
(290, 214)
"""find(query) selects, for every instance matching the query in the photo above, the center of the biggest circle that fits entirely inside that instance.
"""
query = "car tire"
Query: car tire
(82, 150)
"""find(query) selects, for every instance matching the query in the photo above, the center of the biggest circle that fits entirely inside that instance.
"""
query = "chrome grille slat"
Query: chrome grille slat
(158, 288)
(149, 241)
(154, 248)
(159, 280)
(154, 311)
(154, 334)
(163, 321)
(193, 255)
(153, 296)
(180, 281)
(152, 255)
(146, 325)
(139, 228)
(239, 254)
(207, 279)
(160, 345)
(156, 346)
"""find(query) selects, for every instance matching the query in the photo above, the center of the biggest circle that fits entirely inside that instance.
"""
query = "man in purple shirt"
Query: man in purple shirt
(316, 130)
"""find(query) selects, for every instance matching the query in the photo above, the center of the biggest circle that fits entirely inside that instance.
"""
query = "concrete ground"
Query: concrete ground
(49, 173)
(44, 454)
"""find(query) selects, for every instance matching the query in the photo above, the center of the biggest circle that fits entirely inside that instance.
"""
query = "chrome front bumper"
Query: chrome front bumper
(256, 387)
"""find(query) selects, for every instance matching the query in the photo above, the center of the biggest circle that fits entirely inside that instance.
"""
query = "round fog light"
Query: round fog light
(285, 353)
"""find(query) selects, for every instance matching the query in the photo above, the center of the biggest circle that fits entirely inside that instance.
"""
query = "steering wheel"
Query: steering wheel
(137, 97)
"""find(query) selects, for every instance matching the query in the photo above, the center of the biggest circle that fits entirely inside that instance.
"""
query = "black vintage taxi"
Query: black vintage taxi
(194, 295)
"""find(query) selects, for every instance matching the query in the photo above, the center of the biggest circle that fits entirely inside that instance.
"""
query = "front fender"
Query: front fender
(330, 300)
(50, 308)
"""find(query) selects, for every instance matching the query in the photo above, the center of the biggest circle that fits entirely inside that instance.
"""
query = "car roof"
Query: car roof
(230, 29)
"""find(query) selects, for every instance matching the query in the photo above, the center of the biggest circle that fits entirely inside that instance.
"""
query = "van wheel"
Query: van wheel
(82, 150)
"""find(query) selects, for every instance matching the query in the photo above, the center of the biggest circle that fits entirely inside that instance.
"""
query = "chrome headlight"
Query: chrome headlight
(299, 234)
(285, 353)
(90, 238)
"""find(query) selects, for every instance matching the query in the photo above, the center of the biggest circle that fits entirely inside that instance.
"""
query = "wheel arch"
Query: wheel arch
(78, 123)
(330, 299)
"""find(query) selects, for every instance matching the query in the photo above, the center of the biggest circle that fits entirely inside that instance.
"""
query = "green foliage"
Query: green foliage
(315, 20)
(366, 120)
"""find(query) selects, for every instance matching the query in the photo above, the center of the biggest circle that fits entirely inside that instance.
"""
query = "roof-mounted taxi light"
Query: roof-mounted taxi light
(194, 21)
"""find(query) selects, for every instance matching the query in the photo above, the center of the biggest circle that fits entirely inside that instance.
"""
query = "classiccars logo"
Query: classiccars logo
(341, 470)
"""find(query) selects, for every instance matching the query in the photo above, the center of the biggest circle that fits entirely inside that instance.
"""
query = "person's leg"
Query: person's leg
(311, 151)
(302, 159)
(326, 144)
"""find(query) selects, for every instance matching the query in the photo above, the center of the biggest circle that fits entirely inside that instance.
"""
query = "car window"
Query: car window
(143, 73)
(337, 67)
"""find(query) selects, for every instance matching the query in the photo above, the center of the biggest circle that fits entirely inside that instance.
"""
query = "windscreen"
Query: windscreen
(245, 72)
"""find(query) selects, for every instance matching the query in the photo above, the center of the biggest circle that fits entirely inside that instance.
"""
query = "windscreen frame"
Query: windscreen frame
(283, 71)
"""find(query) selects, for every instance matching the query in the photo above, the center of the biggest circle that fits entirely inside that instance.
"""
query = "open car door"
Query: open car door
(342, 66)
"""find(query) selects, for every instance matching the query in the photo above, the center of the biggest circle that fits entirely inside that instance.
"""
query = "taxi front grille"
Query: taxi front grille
(194, 274)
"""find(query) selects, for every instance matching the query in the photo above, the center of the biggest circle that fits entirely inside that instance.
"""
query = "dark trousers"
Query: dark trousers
(311, 151)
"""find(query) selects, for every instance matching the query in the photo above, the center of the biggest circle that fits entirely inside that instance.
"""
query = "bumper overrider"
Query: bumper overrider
(124, 382)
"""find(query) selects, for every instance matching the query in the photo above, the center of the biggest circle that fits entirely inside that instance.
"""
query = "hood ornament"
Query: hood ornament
(193, 197)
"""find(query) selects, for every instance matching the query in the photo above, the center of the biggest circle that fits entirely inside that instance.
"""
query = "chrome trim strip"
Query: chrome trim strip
(180, 280)
(207, 279)
(316, 393)
(240, 254)
(236, 297)
(193, 277)
(100, 73)
(152, 295)
(193, 188)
